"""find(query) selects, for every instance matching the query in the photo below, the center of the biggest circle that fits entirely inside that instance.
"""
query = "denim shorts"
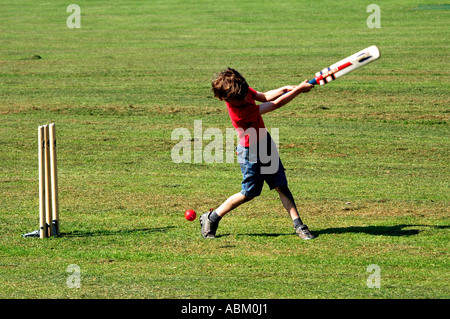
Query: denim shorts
(257, 169)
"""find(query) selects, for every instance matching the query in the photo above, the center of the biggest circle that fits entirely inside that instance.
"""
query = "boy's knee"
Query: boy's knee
(284, 190)
(246, 197)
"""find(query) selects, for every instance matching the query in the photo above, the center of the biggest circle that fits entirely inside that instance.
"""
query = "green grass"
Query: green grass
(366, 156)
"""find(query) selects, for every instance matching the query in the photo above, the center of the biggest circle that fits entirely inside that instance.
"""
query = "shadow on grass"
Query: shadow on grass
(396, 230)
(119, 232)
(268, 234)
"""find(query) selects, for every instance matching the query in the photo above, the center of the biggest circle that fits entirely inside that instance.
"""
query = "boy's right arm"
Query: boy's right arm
(304, 87)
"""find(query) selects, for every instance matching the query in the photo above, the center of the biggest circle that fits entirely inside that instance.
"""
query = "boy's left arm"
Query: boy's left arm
(273, 94)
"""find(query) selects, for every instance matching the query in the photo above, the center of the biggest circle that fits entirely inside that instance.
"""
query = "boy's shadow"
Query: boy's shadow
(395, 230)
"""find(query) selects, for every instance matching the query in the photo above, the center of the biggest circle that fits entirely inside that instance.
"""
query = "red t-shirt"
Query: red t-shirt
(245, 117)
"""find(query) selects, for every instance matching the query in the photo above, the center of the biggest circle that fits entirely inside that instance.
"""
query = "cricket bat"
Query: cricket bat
(345, 66)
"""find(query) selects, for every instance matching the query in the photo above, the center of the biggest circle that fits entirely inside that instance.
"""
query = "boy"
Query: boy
(254, 147)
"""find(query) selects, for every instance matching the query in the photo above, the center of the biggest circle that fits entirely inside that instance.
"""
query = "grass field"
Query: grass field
(366, 156)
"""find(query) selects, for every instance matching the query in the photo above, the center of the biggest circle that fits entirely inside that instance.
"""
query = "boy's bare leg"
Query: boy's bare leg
(288, 202)
(209, 221)
(231, 203)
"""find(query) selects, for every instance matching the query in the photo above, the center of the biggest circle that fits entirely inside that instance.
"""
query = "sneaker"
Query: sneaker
(303, 232)
(208, 228)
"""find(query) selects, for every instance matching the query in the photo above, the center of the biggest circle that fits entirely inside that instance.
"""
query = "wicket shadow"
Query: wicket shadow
(119, 232)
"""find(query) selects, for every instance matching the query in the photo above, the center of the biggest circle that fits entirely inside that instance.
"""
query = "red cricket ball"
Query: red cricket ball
(190, 215)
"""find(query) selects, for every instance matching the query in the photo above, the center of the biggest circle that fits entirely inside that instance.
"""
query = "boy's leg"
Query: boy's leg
(289, 204)
(210, 220)
(252, 184)
(231, 203)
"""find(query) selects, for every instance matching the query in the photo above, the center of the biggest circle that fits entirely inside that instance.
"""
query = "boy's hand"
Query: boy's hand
(305, 87)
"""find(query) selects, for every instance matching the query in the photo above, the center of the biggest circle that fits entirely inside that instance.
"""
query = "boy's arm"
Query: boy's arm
(285, 98)
(273, 94)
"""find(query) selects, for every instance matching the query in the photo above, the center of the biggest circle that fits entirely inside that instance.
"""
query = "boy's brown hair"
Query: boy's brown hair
(229, 85)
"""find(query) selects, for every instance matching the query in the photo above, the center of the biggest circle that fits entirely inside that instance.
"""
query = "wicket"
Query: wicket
(48, 182)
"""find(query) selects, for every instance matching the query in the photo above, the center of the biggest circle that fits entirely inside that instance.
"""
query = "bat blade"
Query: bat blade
(346, 65)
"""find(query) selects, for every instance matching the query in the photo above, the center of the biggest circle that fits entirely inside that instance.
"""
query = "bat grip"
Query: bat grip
(313, 81)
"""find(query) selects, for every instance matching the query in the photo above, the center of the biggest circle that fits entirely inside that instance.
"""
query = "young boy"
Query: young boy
(255, 147)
